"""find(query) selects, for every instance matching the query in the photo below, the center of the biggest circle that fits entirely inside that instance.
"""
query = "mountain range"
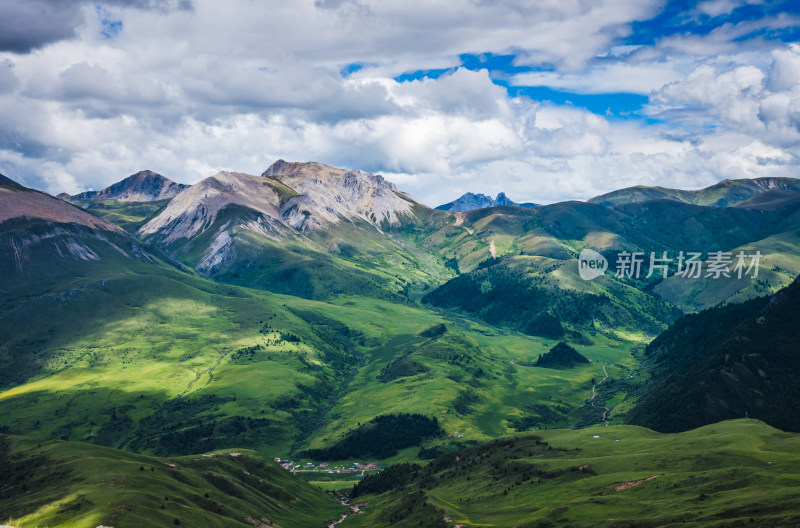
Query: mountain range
(287, 312)
(723, 194)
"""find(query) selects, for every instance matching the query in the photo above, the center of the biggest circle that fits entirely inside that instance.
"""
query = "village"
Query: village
(323, 467)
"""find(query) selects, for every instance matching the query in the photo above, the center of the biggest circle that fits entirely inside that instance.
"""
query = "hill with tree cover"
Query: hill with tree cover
(725, 362)
(561, 356)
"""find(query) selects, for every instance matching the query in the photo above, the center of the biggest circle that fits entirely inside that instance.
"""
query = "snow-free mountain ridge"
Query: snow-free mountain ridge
(144, 186)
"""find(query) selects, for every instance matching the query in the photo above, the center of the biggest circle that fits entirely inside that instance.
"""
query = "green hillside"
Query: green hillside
(399, 343)
(78, 485)
(724, 363)
(735, 473)
(128, 215)
(350, 258)
(723, 194)
(541, 245)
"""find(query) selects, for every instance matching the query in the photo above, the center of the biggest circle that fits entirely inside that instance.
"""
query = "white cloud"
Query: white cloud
(607, 77)
(236, 85)
(716, 8)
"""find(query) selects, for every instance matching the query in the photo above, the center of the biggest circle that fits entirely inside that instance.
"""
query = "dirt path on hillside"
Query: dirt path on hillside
(632, 483)
(606, 410)
(460, 223)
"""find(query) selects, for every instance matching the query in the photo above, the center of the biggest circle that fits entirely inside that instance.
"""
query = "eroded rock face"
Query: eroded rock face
(36, 227)
(327, 194)
(288, 201)
(196, 208)
(291, 197)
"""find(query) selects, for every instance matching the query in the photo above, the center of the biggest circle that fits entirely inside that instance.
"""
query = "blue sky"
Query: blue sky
(680, 18)
(544, 100)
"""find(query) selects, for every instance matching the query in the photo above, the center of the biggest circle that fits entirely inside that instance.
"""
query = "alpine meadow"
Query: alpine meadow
(543, 269)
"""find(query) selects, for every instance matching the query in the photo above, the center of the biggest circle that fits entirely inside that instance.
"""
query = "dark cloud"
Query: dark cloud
(29, 24)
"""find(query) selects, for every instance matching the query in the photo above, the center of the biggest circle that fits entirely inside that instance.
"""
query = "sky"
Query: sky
(545, 100)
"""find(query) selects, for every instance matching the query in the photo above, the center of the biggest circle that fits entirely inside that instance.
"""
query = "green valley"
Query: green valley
(313, 313)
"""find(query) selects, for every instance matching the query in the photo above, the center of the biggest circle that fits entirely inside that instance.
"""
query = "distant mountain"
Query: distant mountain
(771, 200)
(4, 180)
(727, 362)
(144, 186)
(723, 194)
(471, 201)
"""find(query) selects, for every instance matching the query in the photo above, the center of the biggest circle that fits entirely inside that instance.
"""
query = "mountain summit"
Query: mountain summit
(326, 194)
(288, 197)
(144, 186)
(197, 208)
(288, 229)
(471, 201)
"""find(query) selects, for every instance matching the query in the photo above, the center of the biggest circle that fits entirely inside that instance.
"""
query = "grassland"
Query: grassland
(733, 473)
(77, 485)
(128, 215)
(158, 361)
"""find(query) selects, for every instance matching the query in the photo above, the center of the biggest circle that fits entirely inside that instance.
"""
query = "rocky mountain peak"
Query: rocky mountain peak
(144, 186)
(328, 195)
(471, 201)
(197, 207)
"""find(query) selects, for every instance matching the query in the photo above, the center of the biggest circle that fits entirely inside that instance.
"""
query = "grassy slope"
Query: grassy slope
(77, 485)
(507, 388)
(724, 194)
(154, 344)
(148, 338)
(112, 344)
(128, 215)
(351, 257)
(551, 237)
(732, 473)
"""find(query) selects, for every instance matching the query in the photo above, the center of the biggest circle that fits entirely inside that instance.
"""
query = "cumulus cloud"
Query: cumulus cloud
(8, 81)
(763, 104)
(190, 89)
